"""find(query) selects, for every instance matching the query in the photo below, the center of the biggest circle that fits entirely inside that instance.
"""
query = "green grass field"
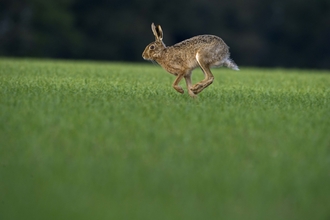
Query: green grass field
(89, 140)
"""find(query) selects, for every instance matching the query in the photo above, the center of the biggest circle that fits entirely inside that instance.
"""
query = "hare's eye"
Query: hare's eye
(152, 47)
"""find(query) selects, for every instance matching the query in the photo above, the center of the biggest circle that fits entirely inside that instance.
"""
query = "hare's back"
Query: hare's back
(201, 41)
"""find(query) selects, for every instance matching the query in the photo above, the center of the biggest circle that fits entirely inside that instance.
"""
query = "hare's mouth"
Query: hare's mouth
(146, 58)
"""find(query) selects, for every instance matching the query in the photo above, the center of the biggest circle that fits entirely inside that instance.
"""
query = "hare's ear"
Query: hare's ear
(157, 30)
(153, 28)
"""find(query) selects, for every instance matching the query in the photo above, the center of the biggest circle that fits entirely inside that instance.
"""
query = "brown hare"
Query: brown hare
(181, 59)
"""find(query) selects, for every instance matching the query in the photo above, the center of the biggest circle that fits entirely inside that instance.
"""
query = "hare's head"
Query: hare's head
(154, 49)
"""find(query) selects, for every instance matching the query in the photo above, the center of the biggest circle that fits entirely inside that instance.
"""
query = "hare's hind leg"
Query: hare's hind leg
(208, 80)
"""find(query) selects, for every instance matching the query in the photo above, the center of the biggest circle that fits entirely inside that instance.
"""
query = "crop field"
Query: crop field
(102, 140)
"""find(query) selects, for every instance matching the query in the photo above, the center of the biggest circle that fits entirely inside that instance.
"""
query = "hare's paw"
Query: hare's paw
(179, 89)
(197, 88)
(192, 94)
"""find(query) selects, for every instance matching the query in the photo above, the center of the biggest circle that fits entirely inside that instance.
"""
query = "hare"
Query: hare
(181, 59)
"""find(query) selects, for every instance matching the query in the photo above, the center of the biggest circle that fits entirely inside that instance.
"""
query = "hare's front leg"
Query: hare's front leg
(176, 82)
(208, 80)
(189, 85)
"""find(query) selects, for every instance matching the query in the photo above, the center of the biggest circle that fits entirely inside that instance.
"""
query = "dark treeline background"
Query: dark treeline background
(282, 33)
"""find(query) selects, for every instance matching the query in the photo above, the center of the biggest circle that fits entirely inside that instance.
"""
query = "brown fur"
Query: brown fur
(181, 59)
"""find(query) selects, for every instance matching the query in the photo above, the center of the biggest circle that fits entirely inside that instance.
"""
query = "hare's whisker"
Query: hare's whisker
(154, 62)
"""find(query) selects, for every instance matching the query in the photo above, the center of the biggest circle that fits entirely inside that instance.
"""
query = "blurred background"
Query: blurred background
(267, 33)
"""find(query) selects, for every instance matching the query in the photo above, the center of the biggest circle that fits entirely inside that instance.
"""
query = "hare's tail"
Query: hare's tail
(230, 64)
